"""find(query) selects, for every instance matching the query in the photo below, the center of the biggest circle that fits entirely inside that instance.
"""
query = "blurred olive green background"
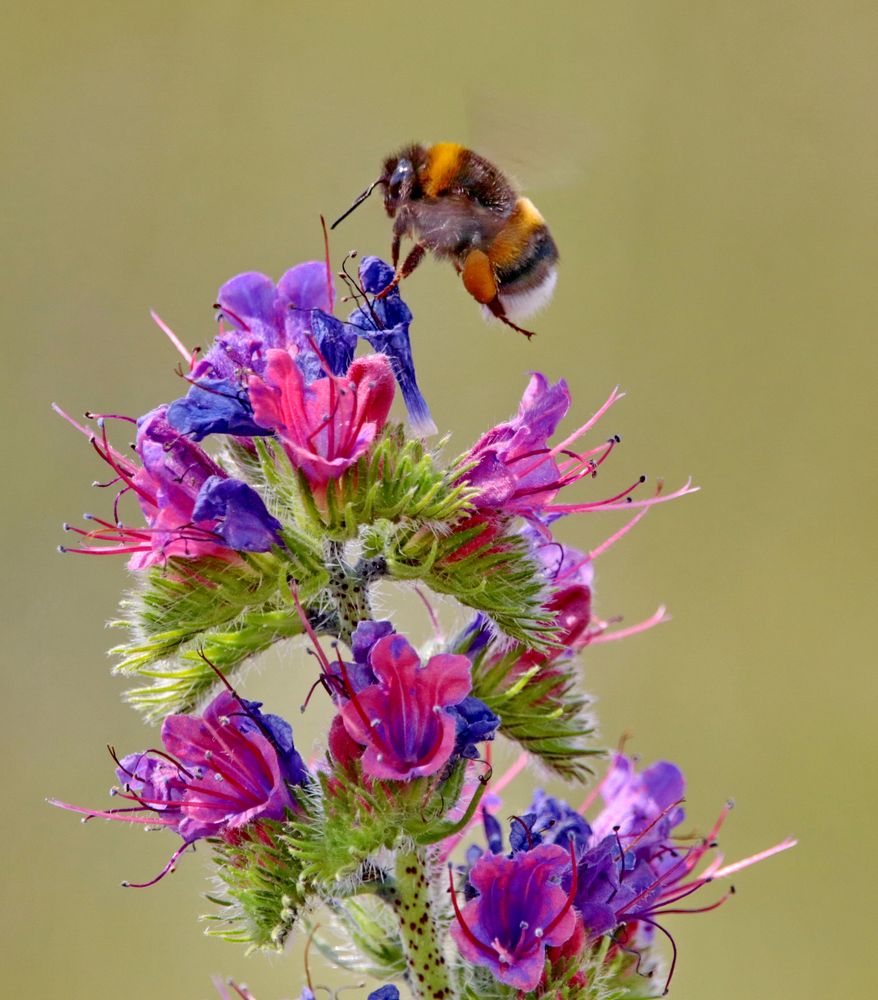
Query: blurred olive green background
(716, 220)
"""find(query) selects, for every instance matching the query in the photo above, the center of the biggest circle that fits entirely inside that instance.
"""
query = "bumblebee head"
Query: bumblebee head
(399, 178)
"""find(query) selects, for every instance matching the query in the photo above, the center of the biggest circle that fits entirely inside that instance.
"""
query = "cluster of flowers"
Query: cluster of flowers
(299, 421)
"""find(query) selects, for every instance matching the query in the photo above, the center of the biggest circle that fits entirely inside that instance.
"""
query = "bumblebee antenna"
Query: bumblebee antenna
(359, 201)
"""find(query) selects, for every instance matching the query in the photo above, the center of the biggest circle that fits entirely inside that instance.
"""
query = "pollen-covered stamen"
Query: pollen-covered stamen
(326, 682)
(698, 909)
(118, 464)
(484, 948)
(671, 897)
(109, 416)
(563, 447)
(669, 877)
(578, 466)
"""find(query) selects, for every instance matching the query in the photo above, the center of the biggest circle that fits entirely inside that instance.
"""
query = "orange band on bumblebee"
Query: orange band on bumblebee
(508, 243)
(443, 165)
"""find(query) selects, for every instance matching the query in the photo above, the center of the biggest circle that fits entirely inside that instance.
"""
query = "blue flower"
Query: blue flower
(243, 522)
(475, 722)
(214, 406)
(384, 993)
(384, 323)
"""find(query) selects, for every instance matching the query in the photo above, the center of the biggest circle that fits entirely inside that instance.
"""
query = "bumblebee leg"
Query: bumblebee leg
(416, 255)
(394, 249)
(496, 307)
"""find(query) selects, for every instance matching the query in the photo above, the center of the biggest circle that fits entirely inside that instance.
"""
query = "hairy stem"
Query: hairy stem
(348, 590)
(427, 972)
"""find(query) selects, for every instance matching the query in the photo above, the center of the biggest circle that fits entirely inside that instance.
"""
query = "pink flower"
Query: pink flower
(325, 426)
(519, 911)
(219, 772)
(192, 509)
(402, 719)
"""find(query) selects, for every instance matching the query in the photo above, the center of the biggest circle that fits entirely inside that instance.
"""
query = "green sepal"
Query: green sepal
(181, 685)
(192, 611)
(597, 975)
(397, 480)
(601, 978)
(498, 578)
(339, 838)
(263, 893)
(185, 599)
(541, 708)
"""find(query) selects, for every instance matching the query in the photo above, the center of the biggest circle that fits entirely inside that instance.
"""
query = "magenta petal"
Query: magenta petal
(402, 719)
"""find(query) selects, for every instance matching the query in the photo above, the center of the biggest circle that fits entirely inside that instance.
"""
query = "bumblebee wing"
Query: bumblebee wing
(534, 145)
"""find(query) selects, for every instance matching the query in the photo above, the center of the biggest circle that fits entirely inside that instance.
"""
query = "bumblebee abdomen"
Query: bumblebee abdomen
(524, 258)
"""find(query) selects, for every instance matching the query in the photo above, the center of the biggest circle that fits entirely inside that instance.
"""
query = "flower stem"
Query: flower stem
(348, 589)
(427, 971)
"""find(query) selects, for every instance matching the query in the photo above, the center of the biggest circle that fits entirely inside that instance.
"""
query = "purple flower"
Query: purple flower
(629, 868)
(403, 720)
(635, 871)
(242, 520)
(261, 317)
(519, 911)
(644, 806)
(517, 472)
(219, 772)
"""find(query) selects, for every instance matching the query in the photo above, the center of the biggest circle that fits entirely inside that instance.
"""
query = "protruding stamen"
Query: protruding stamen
(169, 867)
(169, 333)
(574, 885)
(484, 948)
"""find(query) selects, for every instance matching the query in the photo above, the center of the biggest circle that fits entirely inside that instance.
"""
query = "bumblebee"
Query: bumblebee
(458, 206)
